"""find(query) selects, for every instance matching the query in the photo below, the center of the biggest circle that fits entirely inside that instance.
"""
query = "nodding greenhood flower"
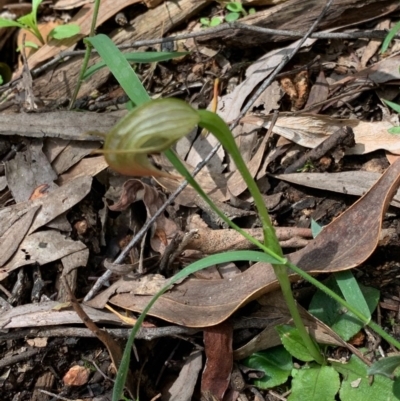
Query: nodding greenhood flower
(150, 128)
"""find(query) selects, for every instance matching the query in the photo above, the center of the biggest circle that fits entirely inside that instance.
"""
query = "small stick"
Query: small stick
(342, 137)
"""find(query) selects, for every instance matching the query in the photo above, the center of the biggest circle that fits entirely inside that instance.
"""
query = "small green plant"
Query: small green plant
(126, 149)
(29, 23)
(235, 11)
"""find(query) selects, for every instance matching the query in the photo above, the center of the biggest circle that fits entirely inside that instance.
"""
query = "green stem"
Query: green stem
(350, 308)
(213, 123)
(86, 58)
(312, 347)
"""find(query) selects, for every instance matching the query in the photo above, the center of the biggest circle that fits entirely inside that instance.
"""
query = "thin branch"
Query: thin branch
(375, 34)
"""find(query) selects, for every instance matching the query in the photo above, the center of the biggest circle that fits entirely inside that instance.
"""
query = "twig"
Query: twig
(58, 397)
(105, 277)
(375, 34)
(88, 52)
(114, 349)
(145, 333)
(343, 138)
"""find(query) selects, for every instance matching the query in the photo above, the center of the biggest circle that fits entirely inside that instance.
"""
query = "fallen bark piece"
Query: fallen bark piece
(58, 124)
(219, 364)
(301, 15)
(210, 241)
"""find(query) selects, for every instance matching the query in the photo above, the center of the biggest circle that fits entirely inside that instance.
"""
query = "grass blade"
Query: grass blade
(120, 68)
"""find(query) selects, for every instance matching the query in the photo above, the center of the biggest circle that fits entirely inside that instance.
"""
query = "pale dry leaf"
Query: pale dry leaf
(236, 183)
(183, 387)
(39, 342)
(345, 182)
(164, 228)
(44, 314)
(319, 92)
(245, 138)
(72, 154)
(11, 238)
(150, 284)
(28, 170)
(89, 166)
(200, 148)
(68, 125)
(230, 105)
(41, 248)
(374, 44)
(310, 130)
(70, 4)
(60, 200)
(76, 376)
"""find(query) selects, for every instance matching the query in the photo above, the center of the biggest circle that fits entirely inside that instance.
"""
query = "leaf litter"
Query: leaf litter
(56, 214)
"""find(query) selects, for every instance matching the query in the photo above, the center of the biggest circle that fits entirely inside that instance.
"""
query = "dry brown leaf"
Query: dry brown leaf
(236, 183)
(310, 130)
(319, 92)
(134, 190)
(391, 158)
(45, 314)
(14, 235)
(40, 342)
(147, 285)
(345, 182)
(72, 154)
(343, 244)
(275, 306)
(28, 170)
(230, 105)
(76, 376)
(41, 248)
(89, 166)
(374, 44)
(210, 184)
(183, 387)
(219, 363)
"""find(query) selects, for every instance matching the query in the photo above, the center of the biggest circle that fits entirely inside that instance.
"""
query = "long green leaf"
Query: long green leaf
(7, 23)
(120, 68)
(392, 33)
(138, 57)
(352, 292)
(208, 261)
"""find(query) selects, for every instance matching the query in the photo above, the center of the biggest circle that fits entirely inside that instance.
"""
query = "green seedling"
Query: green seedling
(235, 11)
(30, 24)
